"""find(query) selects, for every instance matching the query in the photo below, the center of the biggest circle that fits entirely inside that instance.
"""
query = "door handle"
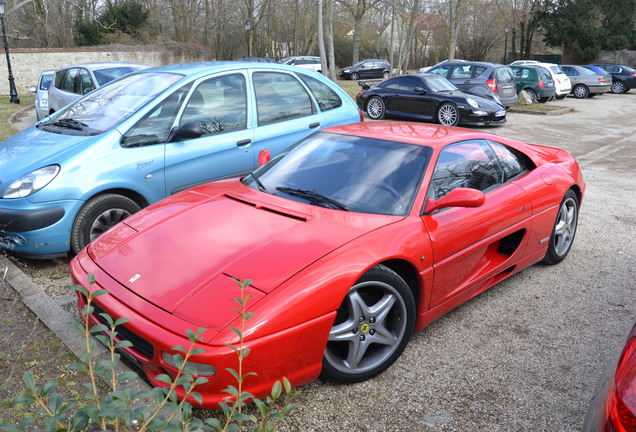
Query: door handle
(243, 142)
(314, 125)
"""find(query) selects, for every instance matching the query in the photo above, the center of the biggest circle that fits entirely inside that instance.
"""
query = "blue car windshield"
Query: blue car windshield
(345, 172)
(108, 106)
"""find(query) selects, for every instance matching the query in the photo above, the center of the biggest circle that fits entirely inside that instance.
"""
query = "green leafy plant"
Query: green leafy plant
(159, 409)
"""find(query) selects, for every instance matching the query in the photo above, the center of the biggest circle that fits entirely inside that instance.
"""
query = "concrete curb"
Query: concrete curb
(14, 119)
(550, 113)
(57, 319)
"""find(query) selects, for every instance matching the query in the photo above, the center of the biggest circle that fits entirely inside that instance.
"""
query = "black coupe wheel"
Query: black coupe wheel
(532, 95)
(564, 229)
(618, 87)
(375, 108)
(355, 75)
(580, 91)
(372, 327)
(385, 75)
(99, 214)
(448, 114)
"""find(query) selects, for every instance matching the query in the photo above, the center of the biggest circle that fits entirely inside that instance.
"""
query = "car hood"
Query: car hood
(179, 253)
(483, 102)
(32, 149)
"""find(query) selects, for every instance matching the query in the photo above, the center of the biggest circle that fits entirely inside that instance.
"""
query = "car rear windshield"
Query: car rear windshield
(108, 106)
(346, 172)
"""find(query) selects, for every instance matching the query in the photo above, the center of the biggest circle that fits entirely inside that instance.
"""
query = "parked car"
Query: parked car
(613, 405)
(148, 135)
(340, 237)
(562, 83)
(623, 77)
(41, 91)
(586, 82)
(371, 68)
(258, 59)
(536, 81)
(425, 69)
(306, 62)
(490, 80)
(73, 82)
(428, 97)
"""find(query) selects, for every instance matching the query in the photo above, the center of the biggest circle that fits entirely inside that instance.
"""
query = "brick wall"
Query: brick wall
(28, 63)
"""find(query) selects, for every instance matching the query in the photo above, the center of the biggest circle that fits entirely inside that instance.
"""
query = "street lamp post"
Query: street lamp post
(507, 30)
(12, 91)
(248, 26)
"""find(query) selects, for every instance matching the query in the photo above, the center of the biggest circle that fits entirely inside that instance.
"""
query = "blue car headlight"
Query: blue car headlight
(32, 182)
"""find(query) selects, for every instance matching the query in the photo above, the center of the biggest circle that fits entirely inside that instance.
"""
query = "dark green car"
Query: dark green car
(536, 81)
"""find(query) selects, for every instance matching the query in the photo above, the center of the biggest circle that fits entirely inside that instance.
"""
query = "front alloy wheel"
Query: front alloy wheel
(448, 114)
(564, 229)
(372, 327)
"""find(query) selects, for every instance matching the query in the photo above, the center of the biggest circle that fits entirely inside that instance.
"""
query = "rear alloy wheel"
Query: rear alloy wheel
(98, 215)
(581, 91)
(355, 75)
(618, 87)
(385, 75)
(448, 114)
(375, 108)
(532, 95)
(564, 229)
(372, 327)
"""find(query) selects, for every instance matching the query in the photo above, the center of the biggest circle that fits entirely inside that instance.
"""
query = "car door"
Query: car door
(412, 98)
(471, 246)
(218, 106)
(285, 112)
(573, 74)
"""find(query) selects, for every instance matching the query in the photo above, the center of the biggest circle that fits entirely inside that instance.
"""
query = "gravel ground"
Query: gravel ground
(526, 354)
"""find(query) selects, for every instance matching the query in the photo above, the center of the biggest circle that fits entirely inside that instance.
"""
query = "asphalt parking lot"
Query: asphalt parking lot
(526, 354)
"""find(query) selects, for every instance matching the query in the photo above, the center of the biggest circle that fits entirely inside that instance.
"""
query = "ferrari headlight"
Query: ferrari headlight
(31, 183)
(200, 368)
(472, 102)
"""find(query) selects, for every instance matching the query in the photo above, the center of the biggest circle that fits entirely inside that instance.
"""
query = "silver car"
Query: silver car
(73, 82)
(586, 82)
(42, 93)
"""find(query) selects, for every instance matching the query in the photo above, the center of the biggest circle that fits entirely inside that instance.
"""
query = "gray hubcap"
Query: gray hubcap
(580, 92)
(372, 324)
(107, 219)
(565, 227)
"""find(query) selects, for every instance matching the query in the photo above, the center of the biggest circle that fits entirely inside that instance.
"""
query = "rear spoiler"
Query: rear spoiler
(365, 83)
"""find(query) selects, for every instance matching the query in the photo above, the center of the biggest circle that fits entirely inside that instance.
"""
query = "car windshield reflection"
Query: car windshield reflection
(110, 105)
(349, 173)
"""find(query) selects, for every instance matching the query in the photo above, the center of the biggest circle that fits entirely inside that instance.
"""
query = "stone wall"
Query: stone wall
(28, 63)
(624, 57)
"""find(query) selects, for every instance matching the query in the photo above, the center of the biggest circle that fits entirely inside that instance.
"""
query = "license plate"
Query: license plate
(500, 113)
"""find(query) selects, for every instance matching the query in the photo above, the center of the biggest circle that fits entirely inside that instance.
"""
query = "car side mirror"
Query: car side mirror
(187, 131)
(420, 90)
(459, 197)
(264, 156)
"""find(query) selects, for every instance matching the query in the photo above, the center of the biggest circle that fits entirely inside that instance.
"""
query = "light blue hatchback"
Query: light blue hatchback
(148, 135)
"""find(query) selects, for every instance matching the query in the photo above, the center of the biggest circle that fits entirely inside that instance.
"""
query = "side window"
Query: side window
(84, 82)
(280, 97)
(511, 162)
(326, 97)
(68, 83)
(392, 84)
(463, 71)
(468, 165)
(409, 83)
(59, 78)
(156, 126)
(218, 105)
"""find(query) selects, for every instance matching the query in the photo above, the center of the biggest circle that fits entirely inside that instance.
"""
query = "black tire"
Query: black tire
(98, 214)
(532, 95)
(355, 76)
(564, 230)
(618, 87)
(561, 96)
(375, 108)
(372, 327)
(580, 91)
(448, 114)
(385, 75)
(544, 99)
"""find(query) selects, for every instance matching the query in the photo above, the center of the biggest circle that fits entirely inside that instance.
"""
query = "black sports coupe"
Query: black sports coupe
(428, 97)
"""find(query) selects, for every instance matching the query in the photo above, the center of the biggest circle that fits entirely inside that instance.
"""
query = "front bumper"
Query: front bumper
(477, 119)
(295, 353)
(41, 230)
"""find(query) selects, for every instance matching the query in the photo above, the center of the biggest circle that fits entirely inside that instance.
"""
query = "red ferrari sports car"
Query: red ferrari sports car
(353, 238)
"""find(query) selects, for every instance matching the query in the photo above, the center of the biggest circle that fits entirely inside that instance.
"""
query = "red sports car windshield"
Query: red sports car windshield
(344, 172)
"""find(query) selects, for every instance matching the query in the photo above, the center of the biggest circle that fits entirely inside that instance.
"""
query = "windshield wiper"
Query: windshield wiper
(259, 183)
(313, 197)
(68, 123)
